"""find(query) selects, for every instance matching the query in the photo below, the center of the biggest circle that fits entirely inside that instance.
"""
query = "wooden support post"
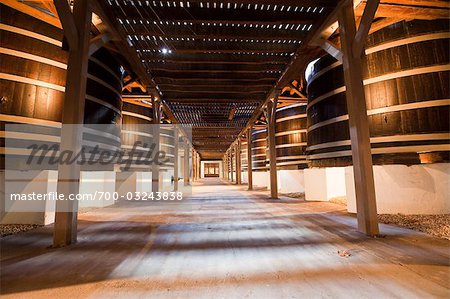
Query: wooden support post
(175, 162)
(249, 159)
(358, 122)
(222, 174)
(228, 165)
(270, 115)
(77, 26)
(238, 161)
(192, 178)
(157, 111)
(231, 164)
(186, 174)
(194, 165)
(225, 166)
(199, 169)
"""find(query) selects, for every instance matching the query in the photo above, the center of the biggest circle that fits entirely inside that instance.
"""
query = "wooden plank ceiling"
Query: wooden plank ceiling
(215, 62)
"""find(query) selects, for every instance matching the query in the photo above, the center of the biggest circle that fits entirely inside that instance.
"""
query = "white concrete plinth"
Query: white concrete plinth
(133, 182)
(323, 184)
(261, 179)
(244, 177)
(41, 212)
(102, 183)
(291, 181)
(417, 189)
(165, 180)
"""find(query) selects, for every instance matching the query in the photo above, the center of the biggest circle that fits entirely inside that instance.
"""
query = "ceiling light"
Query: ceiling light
(166, 51)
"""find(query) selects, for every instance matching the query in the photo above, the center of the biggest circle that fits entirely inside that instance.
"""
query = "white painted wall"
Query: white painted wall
(165, 180)
(27, 182)
(100, 181)
(244, 177)
(291, 181)
(323, 184)
(417, 189)
(133, 182)
(261, 178)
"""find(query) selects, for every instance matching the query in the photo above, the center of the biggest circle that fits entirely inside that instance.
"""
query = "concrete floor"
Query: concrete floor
(225, 243)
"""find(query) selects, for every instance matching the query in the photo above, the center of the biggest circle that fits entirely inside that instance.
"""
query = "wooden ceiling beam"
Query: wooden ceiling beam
(175, 67)
(218, 47)
(324, 3)
(283, 35)
(214, 76)
(202, 15)
(213, 81)
(214, 71)
(214, 88)
(220, 62)
(199, 31)
(206, 86)
(230, 96)
(207, 100)
(216, 58)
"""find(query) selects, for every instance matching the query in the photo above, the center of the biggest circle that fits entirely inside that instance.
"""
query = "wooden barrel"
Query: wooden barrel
(290, 136)
(167, 145)
(406, 75)
(259, 149)
(32, 79)
(137, 128)
(244, 162)
(136, 132)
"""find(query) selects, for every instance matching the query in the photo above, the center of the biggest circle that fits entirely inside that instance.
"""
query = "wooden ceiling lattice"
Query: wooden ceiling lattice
(213, 114)
(215, 62)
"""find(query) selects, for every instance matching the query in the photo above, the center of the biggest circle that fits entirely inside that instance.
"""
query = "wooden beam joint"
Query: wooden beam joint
(68, 22)
(97, 42)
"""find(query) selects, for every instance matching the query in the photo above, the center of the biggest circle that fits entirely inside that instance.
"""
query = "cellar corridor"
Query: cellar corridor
(224, 242)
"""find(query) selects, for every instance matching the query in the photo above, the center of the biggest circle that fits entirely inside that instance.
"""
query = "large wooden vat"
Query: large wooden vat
(259, 149)
(136, 131)
(167, 145)
(407, 93)
(290, 136)
(244, 163)
(137, 128)
(32, 81)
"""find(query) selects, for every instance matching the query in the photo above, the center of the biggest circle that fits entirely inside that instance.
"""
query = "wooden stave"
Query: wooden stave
(141, 122)
(244, 162)
(259, 150)
(133, 130)
(51, 71)
(290, 155)
(338, 131)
